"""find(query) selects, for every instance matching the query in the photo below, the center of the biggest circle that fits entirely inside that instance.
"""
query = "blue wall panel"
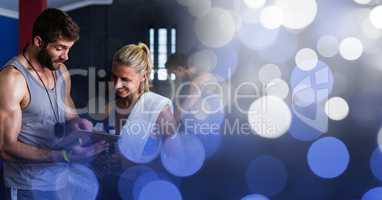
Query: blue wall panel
(8, 39)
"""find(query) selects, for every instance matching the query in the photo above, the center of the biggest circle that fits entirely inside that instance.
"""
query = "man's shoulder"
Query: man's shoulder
(11, 68)
(63, 68)
(10, 73)
(12, 83)
(64, 71)
(11, 79)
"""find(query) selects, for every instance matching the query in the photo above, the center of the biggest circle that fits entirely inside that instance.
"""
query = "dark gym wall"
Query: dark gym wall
(104, 29)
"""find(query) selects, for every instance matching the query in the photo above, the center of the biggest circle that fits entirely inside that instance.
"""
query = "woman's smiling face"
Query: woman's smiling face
(126, 80)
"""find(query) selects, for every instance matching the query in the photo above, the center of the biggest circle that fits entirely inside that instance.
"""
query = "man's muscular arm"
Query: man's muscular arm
(13, 89)
(70, 109)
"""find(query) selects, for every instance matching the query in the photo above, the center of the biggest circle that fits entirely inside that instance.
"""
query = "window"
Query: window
(162, 44)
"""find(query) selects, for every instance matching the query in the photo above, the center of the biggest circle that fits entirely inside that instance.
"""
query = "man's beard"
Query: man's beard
(45, 59)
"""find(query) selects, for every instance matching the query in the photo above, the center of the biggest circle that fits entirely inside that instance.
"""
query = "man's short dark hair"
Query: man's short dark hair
(53, 24)
(176, 60)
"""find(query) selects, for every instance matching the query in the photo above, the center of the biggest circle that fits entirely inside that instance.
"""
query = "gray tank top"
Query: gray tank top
(37, 129)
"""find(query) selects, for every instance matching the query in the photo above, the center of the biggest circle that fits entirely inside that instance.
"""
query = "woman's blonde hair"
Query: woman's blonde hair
(137, 57)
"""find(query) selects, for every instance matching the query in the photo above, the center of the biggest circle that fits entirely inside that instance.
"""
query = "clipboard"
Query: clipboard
(91, 137)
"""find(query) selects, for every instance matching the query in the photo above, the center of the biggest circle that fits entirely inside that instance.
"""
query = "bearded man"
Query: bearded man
(35, 103)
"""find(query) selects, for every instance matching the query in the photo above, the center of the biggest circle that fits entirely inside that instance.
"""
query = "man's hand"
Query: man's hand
(80, 152)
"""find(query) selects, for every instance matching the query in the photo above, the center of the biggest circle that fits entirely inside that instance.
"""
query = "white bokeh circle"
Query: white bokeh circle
(269, 117)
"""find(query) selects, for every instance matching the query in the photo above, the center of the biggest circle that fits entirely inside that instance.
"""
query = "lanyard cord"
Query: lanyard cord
(46, 90)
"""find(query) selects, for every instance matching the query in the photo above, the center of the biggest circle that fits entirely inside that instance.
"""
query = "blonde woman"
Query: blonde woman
(142, 118)
(139, 115)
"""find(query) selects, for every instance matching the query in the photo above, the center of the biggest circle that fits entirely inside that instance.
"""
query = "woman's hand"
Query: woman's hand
(80, 124)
